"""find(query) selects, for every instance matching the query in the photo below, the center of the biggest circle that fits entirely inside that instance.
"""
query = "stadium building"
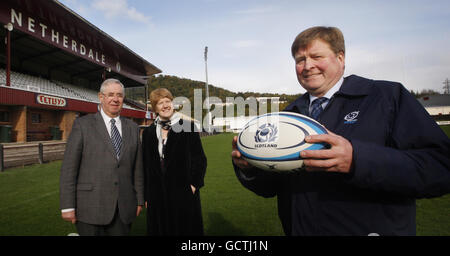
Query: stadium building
(52, 64)
(438, 106)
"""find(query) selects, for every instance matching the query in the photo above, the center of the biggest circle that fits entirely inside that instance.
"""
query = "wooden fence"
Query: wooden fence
(12, 155)
(21, 154)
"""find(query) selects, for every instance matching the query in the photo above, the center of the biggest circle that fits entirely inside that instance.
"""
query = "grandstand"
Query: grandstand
(438, 106)
(40, 85)
(51, 68)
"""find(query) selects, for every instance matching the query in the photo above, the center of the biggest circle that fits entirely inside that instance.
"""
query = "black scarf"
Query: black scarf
(165, 125)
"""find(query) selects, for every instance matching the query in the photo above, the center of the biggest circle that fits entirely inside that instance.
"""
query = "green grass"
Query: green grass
(433, 215)
(446, 129)
(29, 201)
(228, 208)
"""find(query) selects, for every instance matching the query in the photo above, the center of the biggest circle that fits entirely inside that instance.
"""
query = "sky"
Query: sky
(249, 41)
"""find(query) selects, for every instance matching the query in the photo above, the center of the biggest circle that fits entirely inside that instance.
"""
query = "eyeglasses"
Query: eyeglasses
(113, 95)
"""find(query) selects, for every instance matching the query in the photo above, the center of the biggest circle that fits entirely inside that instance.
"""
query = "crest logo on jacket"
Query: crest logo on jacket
(350, 118)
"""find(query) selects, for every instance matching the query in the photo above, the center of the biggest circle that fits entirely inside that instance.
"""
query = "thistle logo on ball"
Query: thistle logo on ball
(266, 133)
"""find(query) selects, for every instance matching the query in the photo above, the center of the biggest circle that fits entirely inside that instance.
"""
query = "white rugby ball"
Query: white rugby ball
(274, 141)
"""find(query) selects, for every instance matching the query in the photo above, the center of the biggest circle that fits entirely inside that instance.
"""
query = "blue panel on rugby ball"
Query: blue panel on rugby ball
(274, 141)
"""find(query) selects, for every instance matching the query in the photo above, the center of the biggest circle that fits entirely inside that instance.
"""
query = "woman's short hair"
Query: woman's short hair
(331, 35)
(158, 94)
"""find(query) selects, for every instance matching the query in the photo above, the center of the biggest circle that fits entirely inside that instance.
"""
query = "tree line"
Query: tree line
(184, 87)
(424, 92)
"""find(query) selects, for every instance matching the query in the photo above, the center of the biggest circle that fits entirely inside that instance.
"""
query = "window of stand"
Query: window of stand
(35, 118)
(4, 116)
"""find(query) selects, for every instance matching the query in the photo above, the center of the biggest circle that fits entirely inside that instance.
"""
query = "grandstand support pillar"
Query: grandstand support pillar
(8, 56)
(2, 163)
(66, 122)
(19, 120)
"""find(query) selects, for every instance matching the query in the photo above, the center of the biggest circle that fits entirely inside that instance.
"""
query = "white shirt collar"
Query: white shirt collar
(107, 121)
(107, 118)
(330, 92)
(175, 118)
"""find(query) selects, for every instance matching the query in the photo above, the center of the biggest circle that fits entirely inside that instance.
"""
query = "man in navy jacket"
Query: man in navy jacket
(385, 151)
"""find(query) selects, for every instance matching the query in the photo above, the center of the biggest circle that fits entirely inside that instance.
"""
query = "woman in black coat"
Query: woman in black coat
(175, 167)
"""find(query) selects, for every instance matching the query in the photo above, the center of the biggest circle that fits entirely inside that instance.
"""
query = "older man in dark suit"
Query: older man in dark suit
(101, 183)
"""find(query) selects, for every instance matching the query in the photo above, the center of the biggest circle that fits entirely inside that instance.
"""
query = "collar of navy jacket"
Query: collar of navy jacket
(353, 86)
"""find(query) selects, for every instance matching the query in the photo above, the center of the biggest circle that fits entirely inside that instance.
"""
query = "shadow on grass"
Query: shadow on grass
(217, 225)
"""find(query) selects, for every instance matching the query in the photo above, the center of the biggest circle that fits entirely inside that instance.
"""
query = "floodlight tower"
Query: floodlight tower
(207, 92)
(9, 27)
(446, 86)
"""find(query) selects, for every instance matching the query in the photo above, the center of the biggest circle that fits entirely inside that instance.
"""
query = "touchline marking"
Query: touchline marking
(22, 202)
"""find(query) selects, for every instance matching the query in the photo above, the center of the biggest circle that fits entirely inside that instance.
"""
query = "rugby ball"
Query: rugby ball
(274, 141)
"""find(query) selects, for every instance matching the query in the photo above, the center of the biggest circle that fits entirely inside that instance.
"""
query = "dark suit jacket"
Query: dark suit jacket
(92, 179)
(172, 207)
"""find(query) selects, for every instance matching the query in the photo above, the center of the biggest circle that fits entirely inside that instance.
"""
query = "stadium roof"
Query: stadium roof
(50, 40)
(438, 100)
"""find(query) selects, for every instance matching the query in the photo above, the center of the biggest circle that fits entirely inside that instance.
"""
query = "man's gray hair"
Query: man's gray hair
(111, 81)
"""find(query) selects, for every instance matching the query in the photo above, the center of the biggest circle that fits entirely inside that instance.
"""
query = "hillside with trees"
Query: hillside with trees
(183, 87)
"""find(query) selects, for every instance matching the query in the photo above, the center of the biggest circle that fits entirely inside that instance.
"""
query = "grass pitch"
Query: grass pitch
(29, 202)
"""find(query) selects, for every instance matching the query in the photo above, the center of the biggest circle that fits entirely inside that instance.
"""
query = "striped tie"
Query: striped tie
(115, 138)
(316, 107)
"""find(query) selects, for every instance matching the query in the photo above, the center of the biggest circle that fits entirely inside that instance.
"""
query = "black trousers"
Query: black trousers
(115, 228)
